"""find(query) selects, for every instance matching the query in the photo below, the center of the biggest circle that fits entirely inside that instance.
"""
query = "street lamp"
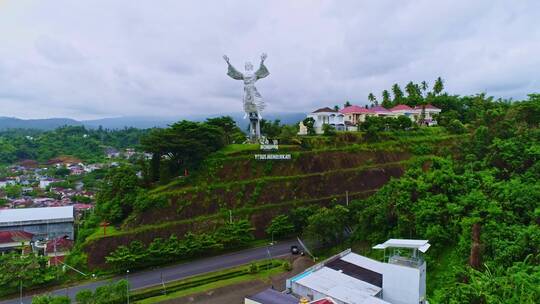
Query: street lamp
(127, 286)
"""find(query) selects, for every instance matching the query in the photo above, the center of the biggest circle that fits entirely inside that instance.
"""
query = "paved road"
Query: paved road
(152, 277)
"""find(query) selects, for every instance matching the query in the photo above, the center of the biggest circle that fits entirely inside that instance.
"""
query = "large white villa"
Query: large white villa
(327, 116)
(348, 118)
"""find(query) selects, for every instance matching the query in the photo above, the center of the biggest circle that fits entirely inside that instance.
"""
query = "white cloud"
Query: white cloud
(87, 59)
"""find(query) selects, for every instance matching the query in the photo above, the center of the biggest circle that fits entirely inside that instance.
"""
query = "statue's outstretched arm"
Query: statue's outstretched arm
(232, 72)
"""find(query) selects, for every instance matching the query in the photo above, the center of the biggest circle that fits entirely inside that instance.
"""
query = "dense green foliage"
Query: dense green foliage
(29, 269)
(50, 299)
(86, 144)
(182, 146)
(112, 293)
(280, 227)
(159, 251)
(118, 195)
(386, 123)
(494, 185)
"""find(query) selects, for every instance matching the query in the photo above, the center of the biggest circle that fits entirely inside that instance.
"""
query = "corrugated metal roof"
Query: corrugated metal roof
(35, 214)
(271, 296)
(340, 286)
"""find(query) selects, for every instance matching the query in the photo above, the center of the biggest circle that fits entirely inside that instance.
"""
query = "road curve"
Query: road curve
(153, 277)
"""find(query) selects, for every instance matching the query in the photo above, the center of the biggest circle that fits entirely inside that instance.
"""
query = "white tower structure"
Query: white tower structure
(404, 277)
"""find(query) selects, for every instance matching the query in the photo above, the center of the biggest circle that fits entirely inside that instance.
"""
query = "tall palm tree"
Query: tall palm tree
(387, 103)
(438, 87)
(424, 86)
(373, 99)
(398, 93)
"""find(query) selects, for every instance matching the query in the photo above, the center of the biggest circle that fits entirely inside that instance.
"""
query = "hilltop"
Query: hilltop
(322, 171)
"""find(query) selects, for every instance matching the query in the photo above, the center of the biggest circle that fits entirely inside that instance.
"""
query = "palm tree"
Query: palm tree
(438, 87)
(398, 93)
(387, 103)
(424, 86)
(373, 99)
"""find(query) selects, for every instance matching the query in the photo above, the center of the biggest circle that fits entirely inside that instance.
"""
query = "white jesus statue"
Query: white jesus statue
(253, 102)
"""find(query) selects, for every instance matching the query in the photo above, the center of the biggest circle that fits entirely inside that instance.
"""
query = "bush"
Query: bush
(253, 268)
(287, 266)
(329, 130)
(456, 127)
(49, 299)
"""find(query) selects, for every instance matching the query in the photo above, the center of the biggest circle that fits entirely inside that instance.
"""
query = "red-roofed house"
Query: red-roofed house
(14, 239)
(405, 110)
(382, 111)
(355, 115)
(429, 114)
(57, 249)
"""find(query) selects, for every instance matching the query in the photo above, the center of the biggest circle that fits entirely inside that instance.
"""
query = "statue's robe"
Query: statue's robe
(253, 102)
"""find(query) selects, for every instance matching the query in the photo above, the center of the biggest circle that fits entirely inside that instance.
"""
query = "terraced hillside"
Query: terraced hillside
(321, 171)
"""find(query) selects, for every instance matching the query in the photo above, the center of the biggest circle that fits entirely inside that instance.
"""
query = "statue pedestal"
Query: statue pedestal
(254, 128)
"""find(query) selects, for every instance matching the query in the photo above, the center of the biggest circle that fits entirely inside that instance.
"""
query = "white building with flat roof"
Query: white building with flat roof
(349, 278)
(43, 223)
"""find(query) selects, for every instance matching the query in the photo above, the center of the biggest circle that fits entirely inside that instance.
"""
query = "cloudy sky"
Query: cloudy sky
(93, 58)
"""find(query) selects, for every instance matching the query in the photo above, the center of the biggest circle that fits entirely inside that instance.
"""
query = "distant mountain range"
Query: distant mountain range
(136, 122)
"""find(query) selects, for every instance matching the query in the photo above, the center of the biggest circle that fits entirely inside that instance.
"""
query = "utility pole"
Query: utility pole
(347, 198)
(127, 285)
(163, 284)
(20, 290)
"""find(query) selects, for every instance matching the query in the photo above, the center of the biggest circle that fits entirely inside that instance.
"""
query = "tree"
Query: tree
(424, 86)
(13, 191)
(387, 102)
(347, 104)
(30, 270)
(404, 122)
(328, 225)
(271, 129)
(336, 108)
(456, 127)
(329, 130)
(288, 133)
(229, 127)
(280, 227)
(184, 144)
(438, 87)
(398, 94)
(373, 99)
(310, 125)
(414, 94)
(112, 293)
(119, 191)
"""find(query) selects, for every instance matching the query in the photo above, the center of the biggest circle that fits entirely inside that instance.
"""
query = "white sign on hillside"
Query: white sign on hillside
(266, 145)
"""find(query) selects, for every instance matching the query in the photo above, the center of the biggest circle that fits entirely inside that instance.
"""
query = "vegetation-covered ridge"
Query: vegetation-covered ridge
(260, 191)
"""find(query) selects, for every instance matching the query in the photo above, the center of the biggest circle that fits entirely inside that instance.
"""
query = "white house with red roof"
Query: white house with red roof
(430, 111)
(404, 110)
(382, 111)
(354, 115)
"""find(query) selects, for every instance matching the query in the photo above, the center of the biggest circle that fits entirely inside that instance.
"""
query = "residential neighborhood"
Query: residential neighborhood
(348, 118)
